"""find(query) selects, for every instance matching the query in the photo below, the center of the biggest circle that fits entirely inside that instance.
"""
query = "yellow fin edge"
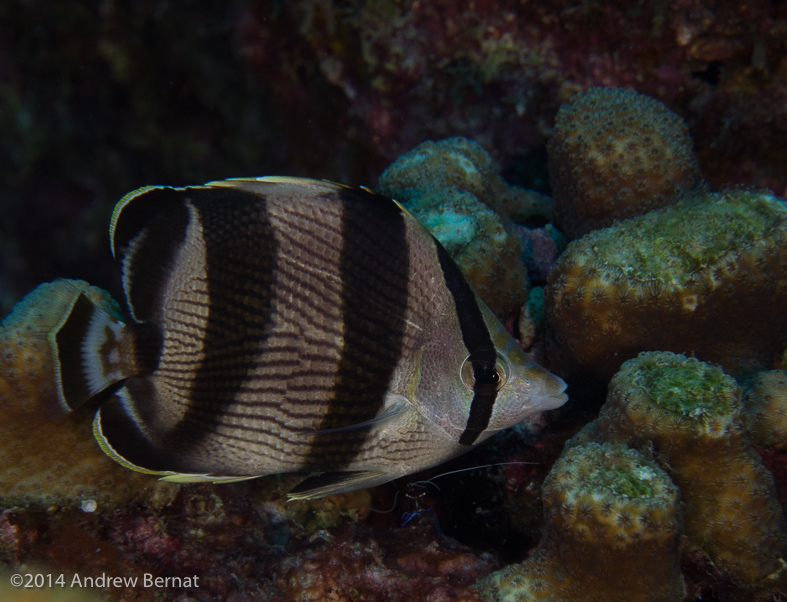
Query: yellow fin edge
(164, 475)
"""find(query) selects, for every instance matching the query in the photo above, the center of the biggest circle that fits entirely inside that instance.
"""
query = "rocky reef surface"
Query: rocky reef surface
(456, 112)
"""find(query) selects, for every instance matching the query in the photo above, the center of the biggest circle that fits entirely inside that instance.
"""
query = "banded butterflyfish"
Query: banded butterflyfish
(290, 325)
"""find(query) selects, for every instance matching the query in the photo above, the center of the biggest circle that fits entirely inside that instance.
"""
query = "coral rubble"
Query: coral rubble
(454, 188)
(688, 414)
(47, 458)
(613, 523)
(355, 564)
(705, 276)
(616, 154)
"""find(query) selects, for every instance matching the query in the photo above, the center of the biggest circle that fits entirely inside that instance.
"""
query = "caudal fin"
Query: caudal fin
(88, 352)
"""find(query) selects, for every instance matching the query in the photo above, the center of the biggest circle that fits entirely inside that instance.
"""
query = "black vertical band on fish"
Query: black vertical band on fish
(126, 432)
(374, 271)
(288, 325)
(478, 341)
(155, 224)
(239, 271)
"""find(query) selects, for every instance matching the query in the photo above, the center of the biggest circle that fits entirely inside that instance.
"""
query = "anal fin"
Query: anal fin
(125, 429)
(177, 477)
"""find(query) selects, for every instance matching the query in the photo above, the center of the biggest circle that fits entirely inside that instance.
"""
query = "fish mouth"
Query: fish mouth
(559, 387)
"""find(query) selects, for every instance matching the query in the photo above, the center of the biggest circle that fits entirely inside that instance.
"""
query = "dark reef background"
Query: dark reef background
(100, 97)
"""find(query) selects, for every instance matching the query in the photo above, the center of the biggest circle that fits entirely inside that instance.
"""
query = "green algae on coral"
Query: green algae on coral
(623, 482)
(687, 415)
(670, 245)
(704, 276)
(613, 523)
(687, 387)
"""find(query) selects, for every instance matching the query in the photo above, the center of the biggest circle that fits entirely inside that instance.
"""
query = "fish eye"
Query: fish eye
(483, 375)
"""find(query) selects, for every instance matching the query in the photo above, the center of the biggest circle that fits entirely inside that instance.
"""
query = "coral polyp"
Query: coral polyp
(688, 414)
(703, 276)
(616, 154)
(613, 522)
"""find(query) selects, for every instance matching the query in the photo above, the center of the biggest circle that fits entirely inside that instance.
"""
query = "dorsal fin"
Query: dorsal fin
(148, 228)
(86, 348)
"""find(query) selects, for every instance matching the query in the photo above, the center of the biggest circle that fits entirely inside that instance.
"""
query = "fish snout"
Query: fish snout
(547, 390)
(556, 388)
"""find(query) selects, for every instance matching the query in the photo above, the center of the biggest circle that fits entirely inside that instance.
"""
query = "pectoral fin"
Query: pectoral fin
(394, 409)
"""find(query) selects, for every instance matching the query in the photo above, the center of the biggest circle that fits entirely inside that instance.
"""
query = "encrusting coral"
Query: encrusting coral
(765, 409)
(688, 415)
(47, 458)
(612, 533)
(454, 188)
(705, 276)
(615, 154)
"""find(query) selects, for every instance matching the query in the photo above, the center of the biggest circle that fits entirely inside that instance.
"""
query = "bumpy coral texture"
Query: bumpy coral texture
(689, 414)
(616, 154)
(612, 534)
(454, 188)
(47, 458)
(765, 409)
(705, 276)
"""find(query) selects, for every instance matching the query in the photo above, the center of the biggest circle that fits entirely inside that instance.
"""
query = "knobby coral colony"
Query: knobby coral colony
(612, 530)
(615, 154)
(455, 189)
(692, 272)
(703, 276)
(688, 414)
(710, 266)
(44, 461)
(669, 454)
